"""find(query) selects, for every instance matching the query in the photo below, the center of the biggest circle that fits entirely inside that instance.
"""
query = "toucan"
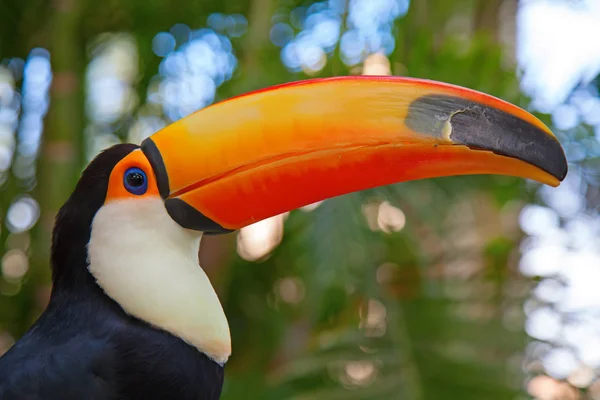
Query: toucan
(132, 315)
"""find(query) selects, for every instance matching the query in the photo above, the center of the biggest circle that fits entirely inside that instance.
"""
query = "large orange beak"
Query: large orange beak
(271, 151)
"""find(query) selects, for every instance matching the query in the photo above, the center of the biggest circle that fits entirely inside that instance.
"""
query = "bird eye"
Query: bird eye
(135, 181)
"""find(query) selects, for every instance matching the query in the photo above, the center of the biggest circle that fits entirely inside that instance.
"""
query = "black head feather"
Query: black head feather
(72, 228)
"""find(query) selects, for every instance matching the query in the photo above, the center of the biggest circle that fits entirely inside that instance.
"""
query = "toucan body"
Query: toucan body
(133, 316)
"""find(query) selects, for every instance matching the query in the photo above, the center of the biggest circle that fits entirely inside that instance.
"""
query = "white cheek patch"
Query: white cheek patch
(148, 264)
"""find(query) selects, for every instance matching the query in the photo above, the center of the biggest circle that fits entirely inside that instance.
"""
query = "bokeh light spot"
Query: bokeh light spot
(14, 265)
(163, 43)
(22, 214)
(259, 239)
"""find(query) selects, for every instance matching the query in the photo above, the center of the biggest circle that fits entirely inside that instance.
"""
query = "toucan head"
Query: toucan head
(141, 209)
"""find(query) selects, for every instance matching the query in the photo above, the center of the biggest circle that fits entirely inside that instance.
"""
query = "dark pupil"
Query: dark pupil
(135, 179)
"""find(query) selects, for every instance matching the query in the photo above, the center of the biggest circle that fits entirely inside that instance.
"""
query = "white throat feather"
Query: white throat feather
(148, 264)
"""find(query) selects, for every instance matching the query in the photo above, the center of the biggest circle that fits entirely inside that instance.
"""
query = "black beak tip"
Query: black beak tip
(479, 126)
(510, 136)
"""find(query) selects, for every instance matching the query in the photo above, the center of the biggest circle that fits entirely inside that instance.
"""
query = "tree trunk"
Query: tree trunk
(257, 39)
(61, 157)
(486, 18)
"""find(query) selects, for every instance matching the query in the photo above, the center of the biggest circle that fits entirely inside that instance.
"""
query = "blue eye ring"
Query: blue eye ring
(135, 181)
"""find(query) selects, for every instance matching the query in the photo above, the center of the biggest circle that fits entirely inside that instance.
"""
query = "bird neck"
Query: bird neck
(149, 266)
(69, 256)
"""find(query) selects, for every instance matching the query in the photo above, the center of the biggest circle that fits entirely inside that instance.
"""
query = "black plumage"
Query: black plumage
(84, 346)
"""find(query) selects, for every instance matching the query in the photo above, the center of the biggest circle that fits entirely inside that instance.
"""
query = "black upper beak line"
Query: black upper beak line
(158, 165)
